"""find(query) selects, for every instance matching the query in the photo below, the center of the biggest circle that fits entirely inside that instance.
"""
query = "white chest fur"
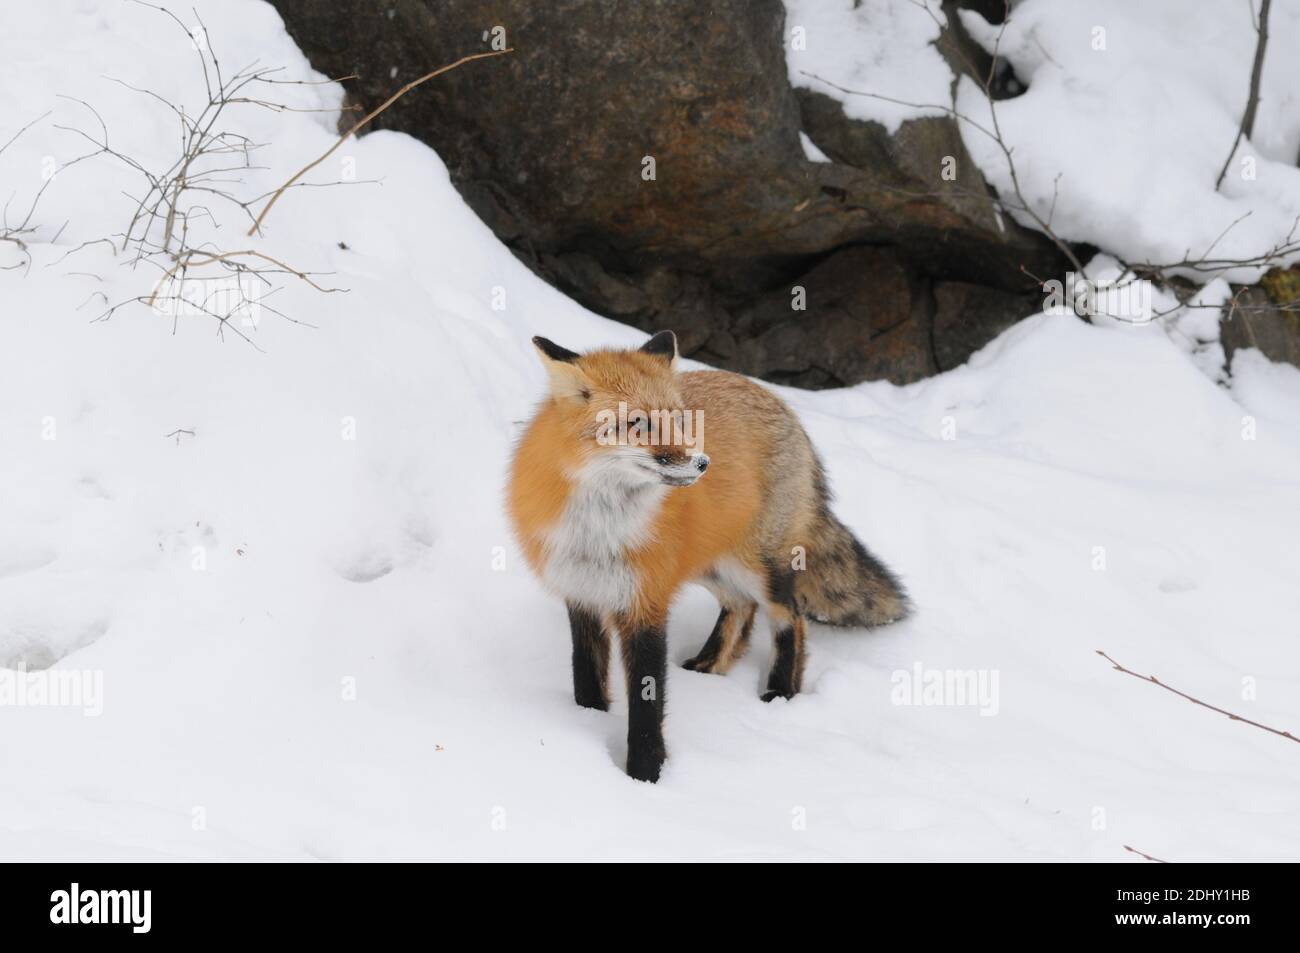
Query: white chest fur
(607, 514)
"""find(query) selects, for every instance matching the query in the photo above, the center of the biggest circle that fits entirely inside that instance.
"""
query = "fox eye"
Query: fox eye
(663, 458)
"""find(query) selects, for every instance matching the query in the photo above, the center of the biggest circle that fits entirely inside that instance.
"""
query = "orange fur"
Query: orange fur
(742, 507)
(695, 526)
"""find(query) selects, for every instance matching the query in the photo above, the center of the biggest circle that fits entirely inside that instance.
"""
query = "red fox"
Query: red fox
(615, 516)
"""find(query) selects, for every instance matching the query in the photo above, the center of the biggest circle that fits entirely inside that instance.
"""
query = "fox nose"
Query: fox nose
(701, 462)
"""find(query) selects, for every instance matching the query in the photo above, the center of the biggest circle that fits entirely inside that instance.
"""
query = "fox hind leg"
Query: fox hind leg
(785, 678)
(728, 641)
(789, 637)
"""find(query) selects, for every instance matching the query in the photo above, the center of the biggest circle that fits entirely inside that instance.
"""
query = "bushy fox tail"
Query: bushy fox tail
(844, 584)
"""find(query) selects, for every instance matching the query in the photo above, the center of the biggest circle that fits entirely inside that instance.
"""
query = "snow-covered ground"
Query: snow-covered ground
(316, 639)
(883, 47)
(1128, 119)
(1130, 114)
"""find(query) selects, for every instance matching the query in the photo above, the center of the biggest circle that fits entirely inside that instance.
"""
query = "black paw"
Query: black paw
(645, 765)
(700, 664)
(590, 694)
(770, 694)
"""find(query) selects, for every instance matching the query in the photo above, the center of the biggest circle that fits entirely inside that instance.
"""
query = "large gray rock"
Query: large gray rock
(548, 146)
(1265, 317)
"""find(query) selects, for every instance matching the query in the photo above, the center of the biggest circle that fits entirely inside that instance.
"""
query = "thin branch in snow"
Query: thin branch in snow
(209, 161)
(1284, 248)
(993, 134)
(191, 260)
(1154, 860)
(1247, 127)
(14, 138)
(1196, 701)
(15, 233)
(257, 223)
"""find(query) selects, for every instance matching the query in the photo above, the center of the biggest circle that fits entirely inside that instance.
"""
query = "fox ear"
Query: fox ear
(553, 352)
(663, 344)
(567, 379)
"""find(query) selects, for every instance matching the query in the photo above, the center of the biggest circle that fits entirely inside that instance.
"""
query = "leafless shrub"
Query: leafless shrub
(18, 233)
(208, 171)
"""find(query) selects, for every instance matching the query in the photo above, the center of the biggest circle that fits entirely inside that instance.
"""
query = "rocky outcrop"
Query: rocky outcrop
(1265, 316)
(645, 158)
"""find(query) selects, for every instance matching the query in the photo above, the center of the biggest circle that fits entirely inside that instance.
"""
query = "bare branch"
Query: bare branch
(1134, 850)
(211, 161)
(257, 224)
(995, 135)
(1196, 701)
(1247, 127)
(189, 261)
(14, 137)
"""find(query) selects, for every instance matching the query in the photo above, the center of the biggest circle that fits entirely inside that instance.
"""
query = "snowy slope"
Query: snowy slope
(1129, 117)
(383, 563)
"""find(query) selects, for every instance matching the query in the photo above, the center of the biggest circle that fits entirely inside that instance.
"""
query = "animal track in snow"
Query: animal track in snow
(13, 562)
(367, 567)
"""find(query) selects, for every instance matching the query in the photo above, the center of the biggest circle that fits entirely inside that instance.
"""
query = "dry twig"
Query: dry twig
(1154, 860)
(210, 163)
(995, 134)
(1247, 127)
(1196, 701)
(275, 197)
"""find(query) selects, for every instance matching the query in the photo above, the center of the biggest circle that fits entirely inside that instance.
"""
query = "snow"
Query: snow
(810, 150)
(1127, 120)
(364, 669)
(1130, 111)
(878, 46)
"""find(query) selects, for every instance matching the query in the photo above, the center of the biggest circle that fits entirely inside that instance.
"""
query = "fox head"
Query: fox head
(621, 414)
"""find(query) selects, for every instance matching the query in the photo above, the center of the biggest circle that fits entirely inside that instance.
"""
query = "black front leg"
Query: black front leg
(590, 658)
(645, 657)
